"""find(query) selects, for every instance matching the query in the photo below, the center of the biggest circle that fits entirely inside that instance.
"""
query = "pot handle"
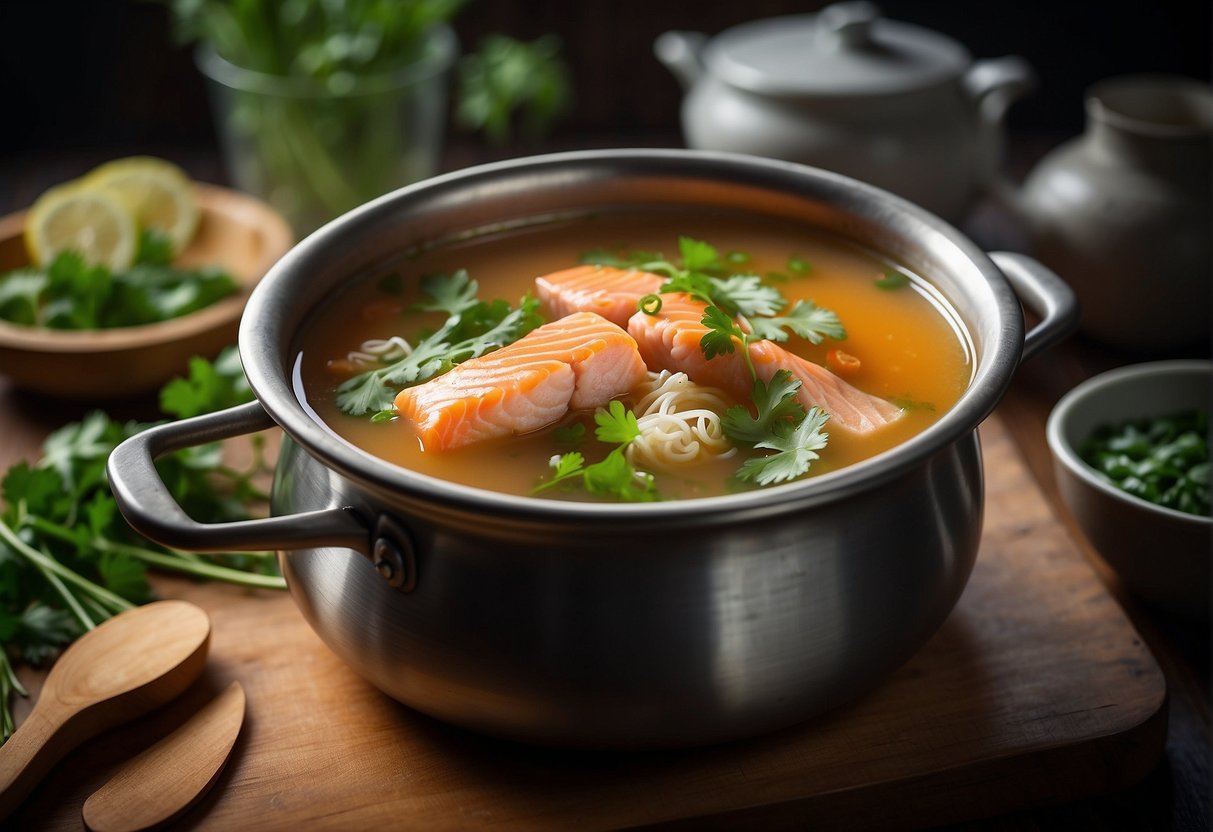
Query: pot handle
(1044, 293)
(151, 510)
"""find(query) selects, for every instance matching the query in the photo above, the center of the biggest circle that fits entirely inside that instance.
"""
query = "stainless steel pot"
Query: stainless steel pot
(598, 625)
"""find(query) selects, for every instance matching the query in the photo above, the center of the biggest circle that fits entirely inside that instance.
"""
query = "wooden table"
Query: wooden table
(1173, 793)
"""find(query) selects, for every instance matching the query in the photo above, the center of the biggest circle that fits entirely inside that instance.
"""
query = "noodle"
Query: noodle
(380, 351)
(679, 423)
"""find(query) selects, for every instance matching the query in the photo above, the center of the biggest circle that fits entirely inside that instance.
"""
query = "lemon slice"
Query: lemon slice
(95, 224)
(157, 193)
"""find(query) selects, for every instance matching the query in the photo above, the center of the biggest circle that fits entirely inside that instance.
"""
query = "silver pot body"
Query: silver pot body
(626, 626)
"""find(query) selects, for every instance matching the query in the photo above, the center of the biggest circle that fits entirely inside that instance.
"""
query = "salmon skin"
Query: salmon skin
(670, 340)
(581, 361)
(605, 290)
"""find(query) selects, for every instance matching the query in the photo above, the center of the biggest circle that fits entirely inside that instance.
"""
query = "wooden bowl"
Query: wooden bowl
(235, 231)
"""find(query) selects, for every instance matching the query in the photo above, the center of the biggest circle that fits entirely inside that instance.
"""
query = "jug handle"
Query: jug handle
(1042, 291)
(151, 510)
(682, 53)
(995, 83)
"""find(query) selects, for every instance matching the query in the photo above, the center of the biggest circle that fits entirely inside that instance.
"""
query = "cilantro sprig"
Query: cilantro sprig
(780, 424)
(702, 273)
(614, 476)
(68, 560)
(71, 294)
(472, 328)
(741, 308)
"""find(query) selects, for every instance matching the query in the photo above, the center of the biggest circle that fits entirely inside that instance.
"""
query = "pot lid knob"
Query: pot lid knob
(847, 24)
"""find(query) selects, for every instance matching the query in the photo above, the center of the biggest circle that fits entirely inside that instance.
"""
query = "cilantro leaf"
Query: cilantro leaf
(698, 286)
(776, 403)
(565, 466)
(795, 450)
(722, 330)
(892, 279)
(41, 630)
(745, 294)
(616, 477)
(208, 387)
(806, 319)
(616, 425)
(155, 248)
(697, 256)
(453, 294)
(21, 296)
(71, 294)
(571, 434)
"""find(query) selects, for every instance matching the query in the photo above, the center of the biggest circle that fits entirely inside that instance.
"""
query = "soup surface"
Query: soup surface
(902, 344)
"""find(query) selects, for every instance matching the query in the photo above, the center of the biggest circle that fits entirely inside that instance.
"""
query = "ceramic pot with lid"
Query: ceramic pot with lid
(896, 105)
(597, 624)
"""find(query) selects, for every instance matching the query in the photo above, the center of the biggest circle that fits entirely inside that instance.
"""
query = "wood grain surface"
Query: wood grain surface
(1037, 689)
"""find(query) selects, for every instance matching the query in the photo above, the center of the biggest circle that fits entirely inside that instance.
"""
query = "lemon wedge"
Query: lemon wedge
(94, 223)
(156, 192)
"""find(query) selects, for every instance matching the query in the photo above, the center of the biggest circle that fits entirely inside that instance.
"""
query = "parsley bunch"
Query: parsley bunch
(71, 294)
(473, 327)
(68, 560)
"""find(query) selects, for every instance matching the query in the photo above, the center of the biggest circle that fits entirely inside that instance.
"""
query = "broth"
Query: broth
(912, 347)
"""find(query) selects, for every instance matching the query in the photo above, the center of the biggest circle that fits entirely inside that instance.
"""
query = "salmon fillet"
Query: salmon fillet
(605, 290)
(578, 362)
(670, 340)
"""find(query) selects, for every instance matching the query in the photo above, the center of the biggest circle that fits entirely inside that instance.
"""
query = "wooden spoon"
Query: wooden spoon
(126, 666)
(167, 779)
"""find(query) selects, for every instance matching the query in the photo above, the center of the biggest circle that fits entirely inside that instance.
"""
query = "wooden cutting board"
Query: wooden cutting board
(1036, 689)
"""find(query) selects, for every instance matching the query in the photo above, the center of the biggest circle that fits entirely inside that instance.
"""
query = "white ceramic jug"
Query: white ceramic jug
(896, 105)
(1122, 212)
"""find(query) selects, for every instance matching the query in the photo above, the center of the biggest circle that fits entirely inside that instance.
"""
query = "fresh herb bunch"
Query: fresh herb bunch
(508, 77)
(68, 560)
(1164, 460)
(350, 98)
(472, 328)
(71, 294)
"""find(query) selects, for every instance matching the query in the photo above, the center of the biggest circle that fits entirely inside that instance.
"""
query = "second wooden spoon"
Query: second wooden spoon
(126, 666)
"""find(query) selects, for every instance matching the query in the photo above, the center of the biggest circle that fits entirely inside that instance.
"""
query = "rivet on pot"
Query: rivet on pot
(392, 555)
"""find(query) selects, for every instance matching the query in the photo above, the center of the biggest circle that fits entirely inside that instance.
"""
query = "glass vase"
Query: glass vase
(314, 151)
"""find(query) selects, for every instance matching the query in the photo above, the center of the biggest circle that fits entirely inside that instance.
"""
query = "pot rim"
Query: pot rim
(271, 371)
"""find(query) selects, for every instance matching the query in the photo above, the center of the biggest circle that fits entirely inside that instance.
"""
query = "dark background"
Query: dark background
(108, 75)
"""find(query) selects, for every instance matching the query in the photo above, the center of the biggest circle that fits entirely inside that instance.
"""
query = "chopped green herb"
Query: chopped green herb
(737, 258)
(649, 304)
(798, 265)
(1164, 460)
(776, 277)
(891, 279)
(570, 434)
(383, 416)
